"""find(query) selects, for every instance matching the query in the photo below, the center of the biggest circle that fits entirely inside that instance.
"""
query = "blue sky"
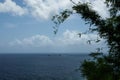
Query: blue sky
(26, 27)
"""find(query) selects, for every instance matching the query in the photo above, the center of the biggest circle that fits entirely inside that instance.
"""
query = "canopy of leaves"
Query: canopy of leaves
(101, 67)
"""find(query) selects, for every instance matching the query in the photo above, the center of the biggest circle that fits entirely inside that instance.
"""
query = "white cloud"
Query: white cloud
(34, 41)
(69, 38)
(72, 38)
(69, 41)
(12, 7)
(46, 8)
(100, 7)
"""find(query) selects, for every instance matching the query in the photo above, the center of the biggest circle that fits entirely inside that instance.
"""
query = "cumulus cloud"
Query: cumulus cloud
(100, 7)
(68, 39)
(47, 8)
(72, 38)
(34, 41)
(12, 7)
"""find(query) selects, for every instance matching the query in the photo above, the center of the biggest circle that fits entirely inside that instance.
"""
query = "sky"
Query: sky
(26, 27)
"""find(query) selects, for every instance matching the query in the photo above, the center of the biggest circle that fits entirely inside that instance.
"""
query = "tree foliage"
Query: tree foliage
(101, 67)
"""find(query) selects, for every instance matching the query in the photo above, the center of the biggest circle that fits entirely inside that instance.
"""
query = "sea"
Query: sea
(41, 66)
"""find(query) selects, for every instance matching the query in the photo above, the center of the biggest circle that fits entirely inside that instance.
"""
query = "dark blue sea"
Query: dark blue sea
(41, 66)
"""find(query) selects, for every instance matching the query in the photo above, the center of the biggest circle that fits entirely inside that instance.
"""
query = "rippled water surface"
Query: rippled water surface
(40, 66)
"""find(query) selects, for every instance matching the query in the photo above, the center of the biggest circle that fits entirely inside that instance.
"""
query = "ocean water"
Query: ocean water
(41, 66)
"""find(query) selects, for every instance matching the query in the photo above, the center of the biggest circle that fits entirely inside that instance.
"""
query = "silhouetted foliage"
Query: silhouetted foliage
(101, 67)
